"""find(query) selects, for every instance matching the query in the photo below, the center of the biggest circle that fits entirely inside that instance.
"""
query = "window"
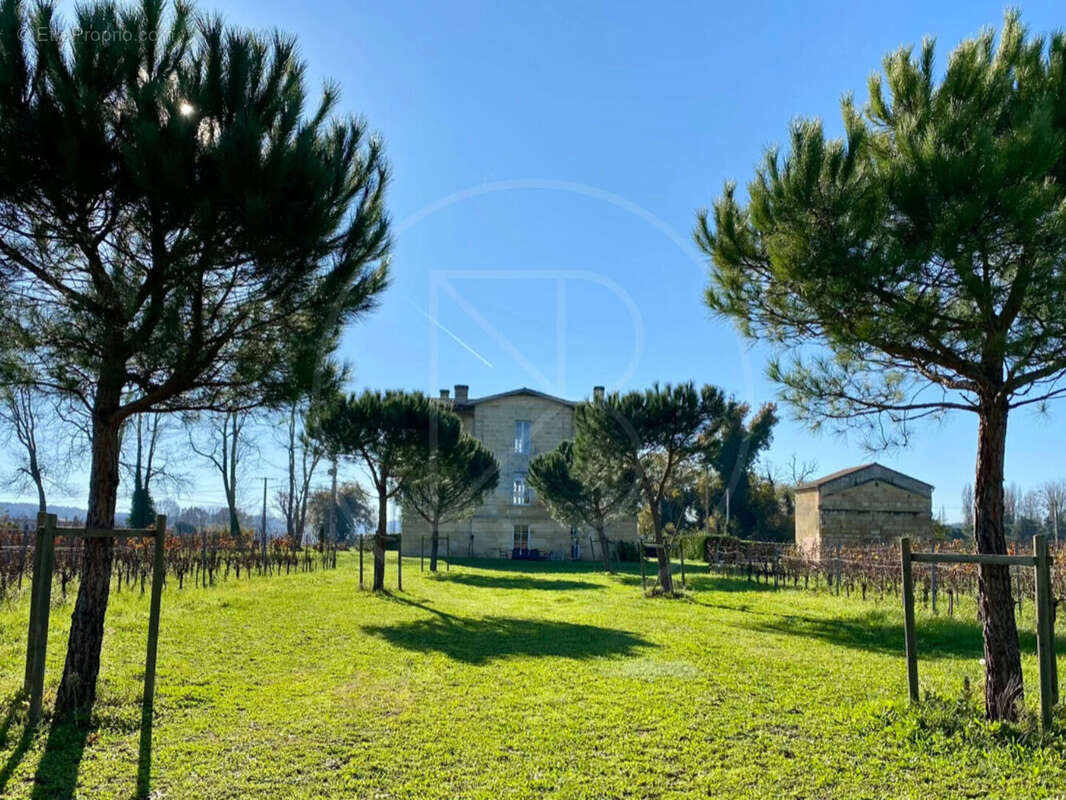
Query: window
(521, 435)
(521, 494)
(521, 537)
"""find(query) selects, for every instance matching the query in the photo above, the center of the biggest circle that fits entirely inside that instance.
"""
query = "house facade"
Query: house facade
(515, 426)
(860, 505)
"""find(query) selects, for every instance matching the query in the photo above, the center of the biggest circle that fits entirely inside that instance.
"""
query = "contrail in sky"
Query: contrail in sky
(461, 343)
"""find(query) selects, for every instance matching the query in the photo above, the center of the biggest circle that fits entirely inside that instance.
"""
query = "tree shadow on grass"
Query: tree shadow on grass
(483, 581)
(57, 771)
(144, 755)
(56, 776)
(526, 567)
(696, 579)
(480, 641)
(21, 746)
(880, 632)
(421, 603)
(705, 582)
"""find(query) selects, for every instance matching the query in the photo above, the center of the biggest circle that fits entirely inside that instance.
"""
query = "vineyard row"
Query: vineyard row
(203, 559)
(873, 570)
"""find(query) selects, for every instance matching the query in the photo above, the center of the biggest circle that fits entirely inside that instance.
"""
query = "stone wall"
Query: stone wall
(875, 511)
(807, 519)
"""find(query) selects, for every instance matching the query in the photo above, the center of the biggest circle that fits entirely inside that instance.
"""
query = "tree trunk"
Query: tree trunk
(230, 459)
(666, 575)
(434, 547)
(38, 478)
(1003, 667)
(601, 534)
(235, 524)
(77, 689)
(379, 540)
(42, 501)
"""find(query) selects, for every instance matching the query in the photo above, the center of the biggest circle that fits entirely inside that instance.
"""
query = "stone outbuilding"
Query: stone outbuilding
(862, 505)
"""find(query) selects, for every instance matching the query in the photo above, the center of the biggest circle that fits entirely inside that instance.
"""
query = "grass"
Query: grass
(520, 680)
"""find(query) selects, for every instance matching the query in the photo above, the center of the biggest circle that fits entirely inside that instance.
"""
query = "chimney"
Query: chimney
(443, 394)
(597, 393)
(461, 390)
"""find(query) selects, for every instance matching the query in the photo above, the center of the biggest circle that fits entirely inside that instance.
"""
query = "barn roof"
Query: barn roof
(853, 476)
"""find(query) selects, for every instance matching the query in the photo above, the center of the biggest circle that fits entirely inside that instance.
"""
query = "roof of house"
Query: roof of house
(877, 471)
(473, 401)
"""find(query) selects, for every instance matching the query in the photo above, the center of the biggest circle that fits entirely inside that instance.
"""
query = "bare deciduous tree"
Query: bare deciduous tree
(800, 471)
(153, 456)
(46, 446)
(967, 507)
(1053, 500)
(303, 459)
(224, 441)
(1030, 506)
(1012, 498)
(352, 513)
(326, 378)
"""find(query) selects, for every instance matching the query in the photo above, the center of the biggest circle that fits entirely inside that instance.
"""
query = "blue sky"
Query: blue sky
(548, 162)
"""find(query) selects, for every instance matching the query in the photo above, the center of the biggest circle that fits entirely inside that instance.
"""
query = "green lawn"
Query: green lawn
(503, 680)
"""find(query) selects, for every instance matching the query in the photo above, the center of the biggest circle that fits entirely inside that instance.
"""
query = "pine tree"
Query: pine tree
(922, 256)
(650, 435)
(582, 497)
(388, 433)
(173, 218)
(449, 480)
(142, 509)
(732, 455)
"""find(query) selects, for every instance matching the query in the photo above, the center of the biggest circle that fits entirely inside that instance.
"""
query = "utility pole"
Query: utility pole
(331, 528)
(707, 501)
(264, 524)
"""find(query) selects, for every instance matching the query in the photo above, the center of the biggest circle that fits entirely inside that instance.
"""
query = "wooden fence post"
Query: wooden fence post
(23, 551)
(1044, 647)
(932, 581)
(158, 573)
(1052, 613)
(422, 555)
(399, 561)
(31, 629)
(683, 584)
(908, 618)
(46, 540)
(643, 576)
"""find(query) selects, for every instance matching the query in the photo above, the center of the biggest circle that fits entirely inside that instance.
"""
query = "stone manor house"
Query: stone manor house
(516, 426)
